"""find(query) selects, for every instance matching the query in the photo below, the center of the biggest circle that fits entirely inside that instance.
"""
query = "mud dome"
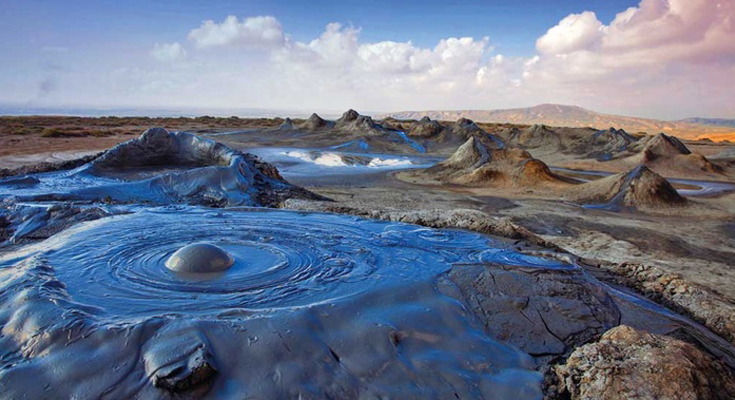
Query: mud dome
(315, 305)
(162, 167)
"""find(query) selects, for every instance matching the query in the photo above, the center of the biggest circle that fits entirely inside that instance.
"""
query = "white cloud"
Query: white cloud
(663, 58)
(575, 32)
(168, 52)
(254, 32)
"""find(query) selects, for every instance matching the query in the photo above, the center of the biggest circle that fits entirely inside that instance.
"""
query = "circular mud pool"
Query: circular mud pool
(279, 259)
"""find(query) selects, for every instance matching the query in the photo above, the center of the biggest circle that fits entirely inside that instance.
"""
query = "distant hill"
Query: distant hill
(710, 121)
(573, 116)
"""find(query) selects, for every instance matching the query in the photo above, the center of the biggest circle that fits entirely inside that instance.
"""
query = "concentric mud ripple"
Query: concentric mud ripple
(282, 259)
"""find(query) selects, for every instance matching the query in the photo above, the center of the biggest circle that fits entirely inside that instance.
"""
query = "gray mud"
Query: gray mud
(314, 305)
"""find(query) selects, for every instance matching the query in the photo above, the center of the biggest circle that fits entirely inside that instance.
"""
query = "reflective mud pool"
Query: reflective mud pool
(300, 163)
(282, 259)
(312, 297)
(315, 305)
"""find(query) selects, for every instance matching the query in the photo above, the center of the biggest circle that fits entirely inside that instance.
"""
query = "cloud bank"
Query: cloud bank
(663, 58)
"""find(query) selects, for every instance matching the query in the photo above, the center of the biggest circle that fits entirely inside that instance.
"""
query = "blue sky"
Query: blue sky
(513, 25)
(87, 53)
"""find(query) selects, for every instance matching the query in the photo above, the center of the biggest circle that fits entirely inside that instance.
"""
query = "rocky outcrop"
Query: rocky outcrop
(639, 187)
(632, 364)
(474, 164)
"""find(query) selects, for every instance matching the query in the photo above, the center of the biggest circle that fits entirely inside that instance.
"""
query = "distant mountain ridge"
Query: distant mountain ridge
(573, 116)
(710, 121)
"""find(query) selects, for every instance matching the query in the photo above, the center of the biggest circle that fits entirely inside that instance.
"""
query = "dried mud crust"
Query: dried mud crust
(473, 220)
(47, 166)
(695, 301)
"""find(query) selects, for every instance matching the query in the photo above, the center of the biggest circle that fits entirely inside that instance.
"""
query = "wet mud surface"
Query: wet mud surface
(295, 304)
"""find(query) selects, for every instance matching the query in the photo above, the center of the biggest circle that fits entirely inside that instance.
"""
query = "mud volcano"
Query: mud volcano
(200, 258)
(162, 167)
(326, 306)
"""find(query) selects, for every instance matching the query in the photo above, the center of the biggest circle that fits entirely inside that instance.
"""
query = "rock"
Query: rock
(632, 364)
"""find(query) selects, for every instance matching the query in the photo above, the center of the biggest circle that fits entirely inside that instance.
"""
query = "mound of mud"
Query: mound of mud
(351, 121)
(474, 164)
(663, 145)
(314, 306)
(162, 167)
(315, 123)
(602, 145)
(639, 187)
(287, 125)
(464, 129)
(425, 128)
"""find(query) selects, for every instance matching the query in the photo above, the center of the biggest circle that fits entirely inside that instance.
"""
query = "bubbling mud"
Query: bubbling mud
(126, 265)
(200, 258)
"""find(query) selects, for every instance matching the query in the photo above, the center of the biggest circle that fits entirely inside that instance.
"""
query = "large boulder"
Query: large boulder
(630, 364)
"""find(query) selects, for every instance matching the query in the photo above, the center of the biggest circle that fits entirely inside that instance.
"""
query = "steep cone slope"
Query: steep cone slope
(602, 145)
(639, 187)
(533, 137)
(315, 123)
(464, 129)
(663, 145)
(474, 164)
(352, 121)
(287, 125)
(425, 128)
(668, 155)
